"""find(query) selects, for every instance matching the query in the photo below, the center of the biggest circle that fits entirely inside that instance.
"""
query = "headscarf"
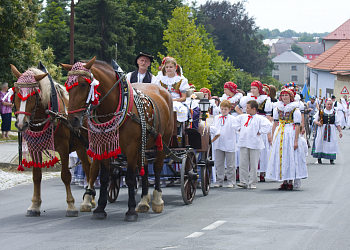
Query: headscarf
(192, 86)
(289, 92)
(259, 86)
(231, 86)
(207, 91)
(163, 62)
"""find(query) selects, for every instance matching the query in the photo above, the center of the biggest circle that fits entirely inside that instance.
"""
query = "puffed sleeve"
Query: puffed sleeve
(268, 106)
(317, 116)
(184, 85)
(265, 125)
(236, 122)
(297, 117)
(215, 127)
(301, 107)
(337, 119)
(275, 114)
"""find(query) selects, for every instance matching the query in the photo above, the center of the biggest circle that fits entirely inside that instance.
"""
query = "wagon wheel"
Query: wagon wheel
(189, 176)
(206, 172)
(113, 188)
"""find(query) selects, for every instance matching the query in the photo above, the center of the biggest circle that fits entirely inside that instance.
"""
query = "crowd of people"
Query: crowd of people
(256, 135)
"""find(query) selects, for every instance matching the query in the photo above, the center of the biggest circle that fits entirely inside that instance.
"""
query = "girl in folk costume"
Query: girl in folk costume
(214, 109)
(231, 94)
(171, 80)
(288, 156)
(265, 108)
(326, 143)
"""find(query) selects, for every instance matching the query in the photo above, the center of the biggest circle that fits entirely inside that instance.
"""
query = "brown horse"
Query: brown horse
(31, 112)
(129, 133)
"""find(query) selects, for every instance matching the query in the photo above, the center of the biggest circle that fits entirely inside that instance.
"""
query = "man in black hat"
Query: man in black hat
(142, 62)
(335, 103)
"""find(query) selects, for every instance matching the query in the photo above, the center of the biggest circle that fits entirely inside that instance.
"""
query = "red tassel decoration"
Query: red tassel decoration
(159, 143)
(20, 168)
(142, 172)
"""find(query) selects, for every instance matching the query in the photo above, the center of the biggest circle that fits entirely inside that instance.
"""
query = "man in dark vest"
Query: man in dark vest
(142, 62)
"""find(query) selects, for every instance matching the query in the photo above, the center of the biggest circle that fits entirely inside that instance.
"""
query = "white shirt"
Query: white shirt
(170, 84)
(249, 127)
(227, 139)
(140, 77)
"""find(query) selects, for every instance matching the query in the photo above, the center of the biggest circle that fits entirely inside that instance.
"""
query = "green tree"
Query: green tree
(295, 48)
(237, 35)
(306, 38)
(149, 20)
(53, 29)
(183, 41)
(100, 25)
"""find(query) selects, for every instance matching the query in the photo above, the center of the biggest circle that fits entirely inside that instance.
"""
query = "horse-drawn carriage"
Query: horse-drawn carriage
(114, 133)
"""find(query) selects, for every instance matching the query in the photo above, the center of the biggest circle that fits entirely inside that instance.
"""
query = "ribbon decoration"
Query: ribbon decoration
(223, 119)
(254, 97)
(10, 94)
(249, 118)
(93, 94)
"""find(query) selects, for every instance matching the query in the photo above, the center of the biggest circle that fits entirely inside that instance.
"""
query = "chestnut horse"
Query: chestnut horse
(129, 133)
(32, 112)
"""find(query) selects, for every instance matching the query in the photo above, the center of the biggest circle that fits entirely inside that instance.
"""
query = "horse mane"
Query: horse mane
(45, 88)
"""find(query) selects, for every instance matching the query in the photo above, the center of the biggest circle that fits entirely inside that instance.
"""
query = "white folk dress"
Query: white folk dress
(176, 85)
(326, 142)
(285, 163)
(265, 108)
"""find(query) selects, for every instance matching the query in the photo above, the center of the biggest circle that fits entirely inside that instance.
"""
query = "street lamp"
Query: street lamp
(204, 106)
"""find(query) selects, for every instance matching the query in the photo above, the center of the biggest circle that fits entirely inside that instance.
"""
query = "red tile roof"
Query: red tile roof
(337, 58)
(340, 33)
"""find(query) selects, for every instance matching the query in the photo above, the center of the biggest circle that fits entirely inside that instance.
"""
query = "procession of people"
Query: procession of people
(254, 136)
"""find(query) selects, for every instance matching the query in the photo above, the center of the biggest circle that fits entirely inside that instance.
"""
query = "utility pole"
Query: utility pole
(71, 36)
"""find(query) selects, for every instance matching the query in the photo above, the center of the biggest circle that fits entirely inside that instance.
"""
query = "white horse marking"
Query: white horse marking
(22, 108)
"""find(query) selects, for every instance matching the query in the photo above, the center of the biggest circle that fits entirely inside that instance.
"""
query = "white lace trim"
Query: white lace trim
(234, 98)
(289, 107)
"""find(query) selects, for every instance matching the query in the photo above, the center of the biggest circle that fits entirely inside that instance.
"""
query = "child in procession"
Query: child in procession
(224, 142)
(250, 142)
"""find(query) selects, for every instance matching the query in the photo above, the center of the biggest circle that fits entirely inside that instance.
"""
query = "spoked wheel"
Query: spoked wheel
(189, 176)
(206, 173)
(113, 188)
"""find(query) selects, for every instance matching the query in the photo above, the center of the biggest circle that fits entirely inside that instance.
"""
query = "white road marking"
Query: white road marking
(169, 247)
(195, 234)
(214, 225)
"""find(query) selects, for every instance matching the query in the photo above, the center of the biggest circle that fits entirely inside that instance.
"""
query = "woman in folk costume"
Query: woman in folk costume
(231, 94)
(214, 109)
(326, 143)
(177, 86)
(288, 157)
(265, 108)
(342, 111)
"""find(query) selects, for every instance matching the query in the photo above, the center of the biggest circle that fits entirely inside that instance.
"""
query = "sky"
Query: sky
(299, 15)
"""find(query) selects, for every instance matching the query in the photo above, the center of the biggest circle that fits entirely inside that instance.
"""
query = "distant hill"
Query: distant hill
(303, 36)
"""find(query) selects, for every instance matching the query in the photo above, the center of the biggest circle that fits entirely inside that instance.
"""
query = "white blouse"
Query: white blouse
(173, 84)
(288, 108)
(249, 129)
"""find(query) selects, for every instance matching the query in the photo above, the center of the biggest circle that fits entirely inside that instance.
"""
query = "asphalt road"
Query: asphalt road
(315, 217)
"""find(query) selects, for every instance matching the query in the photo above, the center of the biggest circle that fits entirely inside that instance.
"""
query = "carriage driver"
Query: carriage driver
(142, 62)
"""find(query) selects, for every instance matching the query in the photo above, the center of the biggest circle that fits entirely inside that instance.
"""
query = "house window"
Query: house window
(294, 67)
(310, 56)
(277, 77)
(316, 56)
(305, 56)
(277, 67)
(294, 78)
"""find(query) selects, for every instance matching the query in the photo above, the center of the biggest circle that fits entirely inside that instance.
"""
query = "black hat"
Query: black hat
(143, 54)
(333, 97)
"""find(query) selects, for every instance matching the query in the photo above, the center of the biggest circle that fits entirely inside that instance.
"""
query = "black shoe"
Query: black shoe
(332, 162)
(319, 161)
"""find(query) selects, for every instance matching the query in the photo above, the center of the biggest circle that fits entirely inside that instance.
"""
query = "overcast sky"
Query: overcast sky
(298, 15)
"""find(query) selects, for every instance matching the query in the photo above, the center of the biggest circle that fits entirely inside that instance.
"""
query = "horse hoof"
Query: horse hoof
(33, 213)
(144, 208)
(157, 208)
(99, 216)
(131, 217)
(85, 208)
(93, 205)
(73, 213)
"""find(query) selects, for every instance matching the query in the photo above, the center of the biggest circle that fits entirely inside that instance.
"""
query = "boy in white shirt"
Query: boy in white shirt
(251, 127)
(225, 145)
